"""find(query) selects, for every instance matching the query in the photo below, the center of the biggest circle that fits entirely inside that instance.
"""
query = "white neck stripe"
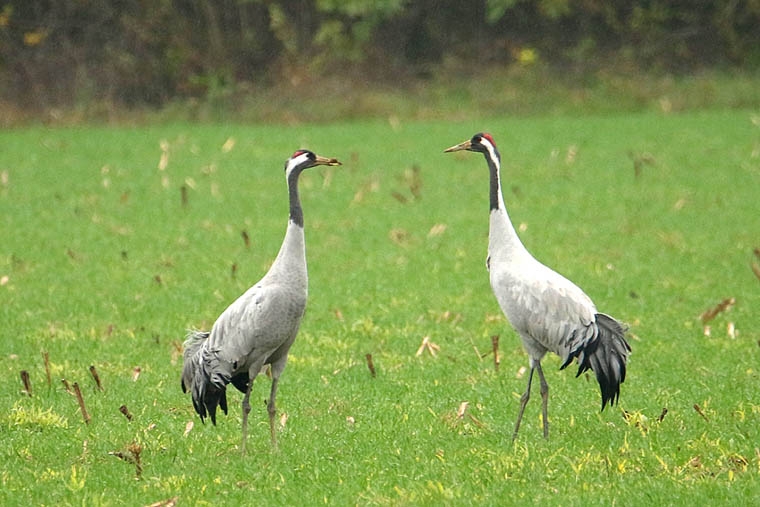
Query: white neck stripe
(294, 162)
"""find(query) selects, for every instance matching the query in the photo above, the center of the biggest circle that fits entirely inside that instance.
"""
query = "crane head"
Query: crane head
(303, 159)
(480, 142)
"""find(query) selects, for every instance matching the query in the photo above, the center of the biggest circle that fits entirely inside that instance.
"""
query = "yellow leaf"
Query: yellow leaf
(34, 38)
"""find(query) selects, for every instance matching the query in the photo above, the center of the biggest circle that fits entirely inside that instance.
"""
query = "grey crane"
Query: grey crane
(260, 326)
(548, 311)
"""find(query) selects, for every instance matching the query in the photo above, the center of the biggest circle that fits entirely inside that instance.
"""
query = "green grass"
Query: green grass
(105, 266)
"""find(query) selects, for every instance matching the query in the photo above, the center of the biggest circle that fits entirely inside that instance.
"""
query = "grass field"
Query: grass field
(103, 262)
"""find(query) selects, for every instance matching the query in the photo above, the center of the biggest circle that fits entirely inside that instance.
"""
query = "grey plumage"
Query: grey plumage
(548, 311)
(260, 326)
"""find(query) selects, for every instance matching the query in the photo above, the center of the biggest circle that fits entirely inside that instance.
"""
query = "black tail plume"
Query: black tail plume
(606, 356)
(206, 394)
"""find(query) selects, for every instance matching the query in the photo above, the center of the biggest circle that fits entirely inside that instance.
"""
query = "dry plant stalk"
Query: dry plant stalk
(415, 182)
(183, 192)
(371, 365)
(663, 414)
(699, 411)
(78, 393)
(246, 238)
(132, 455)
(495, 345)
(46, 360)
(711, 313)
(66, 385)
(27, 383)
(136, 449)
(95, 375)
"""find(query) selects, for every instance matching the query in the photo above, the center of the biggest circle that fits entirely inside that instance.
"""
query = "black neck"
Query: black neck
(494, 181)
(296, 213)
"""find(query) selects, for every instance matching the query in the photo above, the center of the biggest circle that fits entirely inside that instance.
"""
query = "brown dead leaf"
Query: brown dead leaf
(695, 462)
(399, 236)
(399, 197)
(711, 313)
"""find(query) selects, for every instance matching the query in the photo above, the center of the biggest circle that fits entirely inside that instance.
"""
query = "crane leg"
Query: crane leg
(544, 399)
(246, 411)
(523, 401)
(272, 410)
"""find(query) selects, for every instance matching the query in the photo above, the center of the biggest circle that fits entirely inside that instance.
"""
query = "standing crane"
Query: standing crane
(548, 311)
(260, 326)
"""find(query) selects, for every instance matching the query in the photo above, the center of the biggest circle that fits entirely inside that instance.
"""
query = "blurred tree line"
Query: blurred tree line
(149, 52)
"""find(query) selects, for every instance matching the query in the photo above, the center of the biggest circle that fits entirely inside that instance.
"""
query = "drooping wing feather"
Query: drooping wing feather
(192, 345)
(606, 357)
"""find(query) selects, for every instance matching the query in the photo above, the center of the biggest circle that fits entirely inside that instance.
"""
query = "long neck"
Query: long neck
(502, 237)
(291, 259)
(296, 213)
(494, 168)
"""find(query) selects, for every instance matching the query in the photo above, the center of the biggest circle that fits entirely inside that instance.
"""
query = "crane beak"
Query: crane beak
(459, 147)
(326, 161)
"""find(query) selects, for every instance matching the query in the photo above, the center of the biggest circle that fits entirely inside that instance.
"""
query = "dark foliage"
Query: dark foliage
(147, 53)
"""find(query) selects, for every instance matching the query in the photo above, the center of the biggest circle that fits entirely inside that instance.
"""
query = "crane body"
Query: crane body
(548, 311)
(259, 327)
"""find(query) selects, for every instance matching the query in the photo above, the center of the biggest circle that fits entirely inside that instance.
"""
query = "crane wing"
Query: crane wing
(546, 307)
(251, 330)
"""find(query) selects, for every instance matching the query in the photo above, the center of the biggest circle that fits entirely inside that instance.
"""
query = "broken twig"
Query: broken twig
(27, 383)
(80, 399)
(132, 455)
(430, 346)
(711, 313)
(95, 375)
(46, 360)
(371, 365)
(495, 346)
(699, 411)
